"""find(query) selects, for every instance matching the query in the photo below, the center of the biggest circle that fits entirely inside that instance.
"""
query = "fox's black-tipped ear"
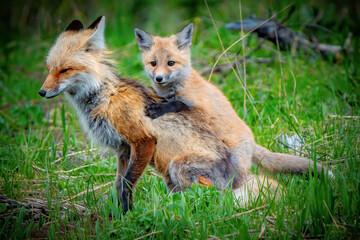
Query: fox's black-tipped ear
(144, 40)
(184, 37)
(75, 25)
(97, 39)
(96, 22)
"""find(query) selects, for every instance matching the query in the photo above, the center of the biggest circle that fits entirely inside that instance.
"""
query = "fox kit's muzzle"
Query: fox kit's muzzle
(159, 79)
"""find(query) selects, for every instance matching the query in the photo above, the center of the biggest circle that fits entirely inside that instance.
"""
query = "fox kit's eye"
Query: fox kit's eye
(153, 63)
(171, 63)
(65, 70)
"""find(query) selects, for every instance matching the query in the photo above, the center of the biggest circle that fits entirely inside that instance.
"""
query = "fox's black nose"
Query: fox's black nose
(159, 79)
(42, 93)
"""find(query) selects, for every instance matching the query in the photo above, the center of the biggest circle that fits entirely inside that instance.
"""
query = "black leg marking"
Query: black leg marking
(123, 159)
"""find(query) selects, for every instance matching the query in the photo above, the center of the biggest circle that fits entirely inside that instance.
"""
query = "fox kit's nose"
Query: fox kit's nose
(159, 79)
(42, 93)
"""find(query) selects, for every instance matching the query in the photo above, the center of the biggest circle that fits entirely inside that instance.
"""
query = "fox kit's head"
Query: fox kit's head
(74, 60)
(166, 60)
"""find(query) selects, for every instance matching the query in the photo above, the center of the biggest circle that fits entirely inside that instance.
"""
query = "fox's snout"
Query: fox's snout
(42, 93)
(52, 87)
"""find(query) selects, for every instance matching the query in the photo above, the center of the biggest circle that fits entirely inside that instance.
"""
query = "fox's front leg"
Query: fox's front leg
(141, 153)
(155, 110)
(123, 159)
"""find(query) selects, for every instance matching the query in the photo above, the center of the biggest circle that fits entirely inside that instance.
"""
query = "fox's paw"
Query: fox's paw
(154, 110)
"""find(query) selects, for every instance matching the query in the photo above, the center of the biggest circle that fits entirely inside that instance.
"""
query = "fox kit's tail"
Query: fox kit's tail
(279, 162)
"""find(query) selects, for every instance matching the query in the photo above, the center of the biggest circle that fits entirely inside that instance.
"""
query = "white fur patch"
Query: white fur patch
(84, 83)
(61, 88)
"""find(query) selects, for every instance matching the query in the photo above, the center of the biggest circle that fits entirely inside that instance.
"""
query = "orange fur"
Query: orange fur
(205, 181)
(125, 100)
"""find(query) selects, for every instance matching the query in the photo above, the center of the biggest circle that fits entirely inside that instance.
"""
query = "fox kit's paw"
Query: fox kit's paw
(155, 110)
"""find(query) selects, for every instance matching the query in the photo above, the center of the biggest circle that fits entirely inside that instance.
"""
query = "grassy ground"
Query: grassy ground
(56, 184)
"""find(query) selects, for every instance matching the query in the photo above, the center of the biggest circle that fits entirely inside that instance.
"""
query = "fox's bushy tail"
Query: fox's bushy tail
(279, 162)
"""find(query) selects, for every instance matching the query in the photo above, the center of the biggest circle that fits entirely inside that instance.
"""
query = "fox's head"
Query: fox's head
(74, 60)
(166, 60)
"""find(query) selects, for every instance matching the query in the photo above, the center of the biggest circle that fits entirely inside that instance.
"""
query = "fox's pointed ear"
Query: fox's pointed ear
(75, 25)
(144, 40)
(184, 37)
(97, 39)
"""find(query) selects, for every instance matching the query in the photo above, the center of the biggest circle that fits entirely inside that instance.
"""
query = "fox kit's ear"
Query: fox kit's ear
(144, 40)
(75, 25)
(184, 37)
(97, 39)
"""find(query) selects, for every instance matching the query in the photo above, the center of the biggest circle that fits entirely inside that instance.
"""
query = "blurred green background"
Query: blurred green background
(32, 26)
(21, 19)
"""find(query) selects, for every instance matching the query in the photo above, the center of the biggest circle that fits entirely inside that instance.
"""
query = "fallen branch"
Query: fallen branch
(72, 154)
(89, 191)
(4, 199)
(75, 169)
(149, 234)
(277, 33)
(262, 231)
(241, 214)
(226, 67)
(333, 219)
(343, 116)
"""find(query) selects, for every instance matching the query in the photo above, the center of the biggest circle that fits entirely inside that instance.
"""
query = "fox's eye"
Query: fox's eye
(153, 63)
(65, 70)
(171, 63)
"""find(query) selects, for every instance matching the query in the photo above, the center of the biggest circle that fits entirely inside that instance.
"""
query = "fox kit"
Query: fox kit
(167, 62)
(111, 110)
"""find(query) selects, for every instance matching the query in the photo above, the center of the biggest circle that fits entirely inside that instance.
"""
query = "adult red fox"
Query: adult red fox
(111, 110)
(167, 62)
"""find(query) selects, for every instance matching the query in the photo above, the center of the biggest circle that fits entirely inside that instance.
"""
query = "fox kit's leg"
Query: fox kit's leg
(174, 188)
(122, 161)
(189, 170)
(141, 153)
(244, 151)
(241, 142)
(155, 110)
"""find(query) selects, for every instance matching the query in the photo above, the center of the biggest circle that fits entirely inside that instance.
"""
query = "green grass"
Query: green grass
(61, 184)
